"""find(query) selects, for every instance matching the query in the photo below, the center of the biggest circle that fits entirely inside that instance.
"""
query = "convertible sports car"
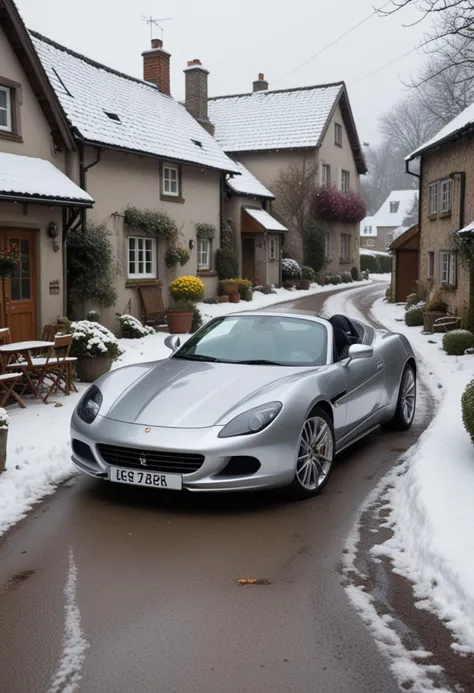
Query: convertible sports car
(250, 401)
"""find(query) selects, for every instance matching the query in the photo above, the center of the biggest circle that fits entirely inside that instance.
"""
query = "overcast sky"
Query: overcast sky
(237, 40)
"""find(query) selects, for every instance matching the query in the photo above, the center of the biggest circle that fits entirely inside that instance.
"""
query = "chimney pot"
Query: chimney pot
(156, 43)
(261, 83)
(261, 76)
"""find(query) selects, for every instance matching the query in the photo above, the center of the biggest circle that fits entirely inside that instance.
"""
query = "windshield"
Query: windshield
(259, 340)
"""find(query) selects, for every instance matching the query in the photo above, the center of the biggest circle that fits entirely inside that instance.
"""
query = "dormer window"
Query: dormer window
(394, 207)
(5, 109)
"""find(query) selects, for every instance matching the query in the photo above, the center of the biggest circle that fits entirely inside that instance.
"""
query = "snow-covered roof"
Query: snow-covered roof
(455, 127)
(265, 219)
(248, 184)
(263, 120)
(109, 108)
(365, 251)
(368, 228)
(28, 177)
(387, 218)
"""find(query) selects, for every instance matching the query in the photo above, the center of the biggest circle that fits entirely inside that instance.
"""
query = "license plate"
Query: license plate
(136, 477)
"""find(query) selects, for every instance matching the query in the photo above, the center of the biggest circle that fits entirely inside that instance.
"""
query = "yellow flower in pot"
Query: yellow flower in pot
(185, 292)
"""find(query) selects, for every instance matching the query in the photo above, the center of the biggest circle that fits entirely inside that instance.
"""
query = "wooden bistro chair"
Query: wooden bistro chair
(7, 392)
(56, 367)
(5, 336)
(152, 304)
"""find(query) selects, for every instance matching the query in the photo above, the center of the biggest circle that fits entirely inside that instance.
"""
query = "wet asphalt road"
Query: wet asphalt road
(151, 581)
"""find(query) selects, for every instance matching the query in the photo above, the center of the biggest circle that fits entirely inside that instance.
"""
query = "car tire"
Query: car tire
(313, 466)
(406, 403)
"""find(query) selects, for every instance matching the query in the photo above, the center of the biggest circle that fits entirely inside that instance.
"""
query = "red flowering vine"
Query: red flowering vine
(331, 204)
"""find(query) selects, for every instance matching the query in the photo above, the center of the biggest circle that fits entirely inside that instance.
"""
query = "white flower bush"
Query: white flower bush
(131, 328)
(4, 420)
(290, 269)
(93, 340)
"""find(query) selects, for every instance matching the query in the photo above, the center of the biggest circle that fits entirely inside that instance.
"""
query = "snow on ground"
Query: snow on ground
(39, 454)
(428, 497)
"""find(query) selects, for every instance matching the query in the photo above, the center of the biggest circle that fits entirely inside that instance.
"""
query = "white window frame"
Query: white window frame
(327, 246)
(345, 181)
(168, 181)
(431, 265)
(9, 126)
(325, 174)
(204, 254)
(433, 199)
(345, 246)
(273, 249)
(338, 134)
(446, 195)
(448, 268)
(140, 243)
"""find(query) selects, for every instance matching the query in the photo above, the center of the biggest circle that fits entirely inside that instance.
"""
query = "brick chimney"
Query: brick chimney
(260, 84)
(196, 93)
(156, 66)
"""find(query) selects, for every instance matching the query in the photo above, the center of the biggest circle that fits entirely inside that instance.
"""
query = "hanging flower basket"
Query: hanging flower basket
(9, 259)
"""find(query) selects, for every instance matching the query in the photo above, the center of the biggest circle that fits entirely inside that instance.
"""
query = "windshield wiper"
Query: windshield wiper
(198, 357)
(259, 362)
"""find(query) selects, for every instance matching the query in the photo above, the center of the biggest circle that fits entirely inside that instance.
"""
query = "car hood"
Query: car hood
(191, 394)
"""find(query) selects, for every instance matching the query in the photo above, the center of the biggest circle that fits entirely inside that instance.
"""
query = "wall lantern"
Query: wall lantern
(53, 230)
(192, 243)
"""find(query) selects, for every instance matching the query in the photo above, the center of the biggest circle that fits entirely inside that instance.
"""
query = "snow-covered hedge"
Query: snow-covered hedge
(93, 340)
(414, 315)
(290, 269)
(131, 328)
(467, 406)
(4, 420)
(456, 342)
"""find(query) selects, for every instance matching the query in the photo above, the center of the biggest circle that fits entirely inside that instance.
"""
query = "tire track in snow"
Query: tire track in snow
(74, 645)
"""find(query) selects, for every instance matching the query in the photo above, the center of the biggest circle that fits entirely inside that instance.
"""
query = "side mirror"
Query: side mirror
(172, 341)
(358, 351)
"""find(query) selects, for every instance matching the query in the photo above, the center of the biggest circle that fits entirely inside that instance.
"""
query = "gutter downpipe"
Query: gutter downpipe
(420, 178)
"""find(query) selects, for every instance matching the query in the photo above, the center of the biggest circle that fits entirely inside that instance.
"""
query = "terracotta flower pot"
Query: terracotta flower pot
(288, 284)
(429, 319)
(303, 284)
(234, 298)
(224, 298)
(89, 369)
(230, 288)
(179, 321)
(3, 449)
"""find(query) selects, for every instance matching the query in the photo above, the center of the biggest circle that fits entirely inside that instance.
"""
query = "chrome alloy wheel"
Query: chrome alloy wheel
(408, 396)
(315, 453)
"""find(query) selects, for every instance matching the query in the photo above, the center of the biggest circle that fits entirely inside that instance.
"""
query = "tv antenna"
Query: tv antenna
(156, 22)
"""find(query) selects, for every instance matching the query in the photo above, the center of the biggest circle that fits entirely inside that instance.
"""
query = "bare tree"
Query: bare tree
(406, 125)
(386, 165)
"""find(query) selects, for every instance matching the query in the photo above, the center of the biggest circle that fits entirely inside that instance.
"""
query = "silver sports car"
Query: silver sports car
(250, 401)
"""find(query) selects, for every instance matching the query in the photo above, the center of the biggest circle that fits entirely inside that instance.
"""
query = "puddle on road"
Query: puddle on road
(17, 580)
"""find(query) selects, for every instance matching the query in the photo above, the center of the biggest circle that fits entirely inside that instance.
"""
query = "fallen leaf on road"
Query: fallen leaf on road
(58, 404)
(247, 581)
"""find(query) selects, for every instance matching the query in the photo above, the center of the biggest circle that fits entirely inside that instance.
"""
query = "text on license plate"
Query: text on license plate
(136, 477)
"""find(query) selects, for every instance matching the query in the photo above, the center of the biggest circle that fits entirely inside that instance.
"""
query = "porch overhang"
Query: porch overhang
(256, 220)
(28, 180)
(467, 230)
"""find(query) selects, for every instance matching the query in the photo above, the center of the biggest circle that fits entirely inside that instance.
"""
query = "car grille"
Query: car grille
(156, 460)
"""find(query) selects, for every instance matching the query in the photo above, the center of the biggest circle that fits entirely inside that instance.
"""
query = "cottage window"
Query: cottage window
(171, 181)
(345, 181)
(369, 243)
(338, 134)
(448, 268)
(446, 195)
(327, 246)
(345, 246)
(433, 199)
(273, 249)
(204, 253)
(326, 174)
(431, 265)
(141, 258)
(394, 207)
(5, 109)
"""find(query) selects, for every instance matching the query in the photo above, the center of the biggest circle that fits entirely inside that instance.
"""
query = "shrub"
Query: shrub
(227, 263)
(412, 300)
(370, 263)
(205, 231)
(355, 274)
(290, 269)
(436, 307)
(266, 289)
(346, 277)
(131, 328)
(92, 340)
(364, 275)
(456, 342)
(197, 320)
(90, 264)
(467, 407)
(177, 255)
(388, 294)
(4, 420)
(187, 288)
(151, 222)
(308, 273)
(93, 316)
(414, 316)
(314, 249)
(385, 263)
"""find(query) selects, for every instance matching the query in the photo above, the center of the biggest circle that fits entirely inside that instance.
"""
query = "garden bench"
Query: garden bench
(447, 324)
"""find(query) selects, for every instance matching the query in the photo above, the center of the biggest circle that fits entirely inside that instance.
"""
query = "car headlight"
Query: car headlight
(252, 421)
(89, 406)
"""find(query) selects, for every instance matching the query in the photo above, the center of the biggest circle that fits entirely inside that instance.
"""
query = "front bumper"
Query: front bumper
(274, 448)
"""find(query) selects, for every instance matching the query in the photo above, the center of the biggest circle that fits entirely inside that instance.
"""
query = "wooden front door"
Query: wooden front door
(407, 273)
(18, 293)
(248, 259)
